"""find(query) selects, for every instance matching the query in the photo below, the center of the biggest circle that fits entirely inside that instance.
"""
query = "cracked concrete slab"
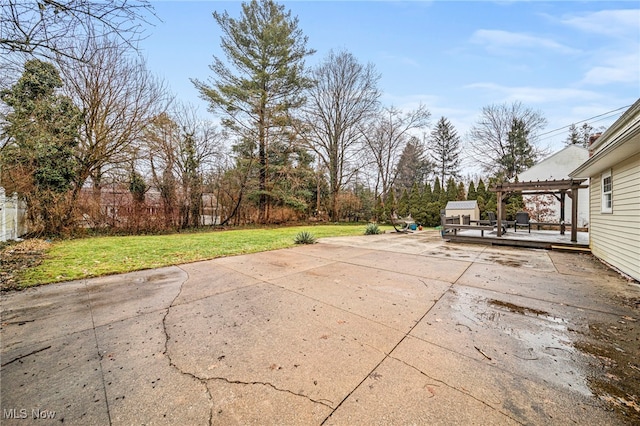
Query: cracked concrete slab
(259, 404)
(141, 384)
(448, 270)
(391, 298)
(266, 334)
(516, 395)
(526, 337)
(596, 292)
(27, 316)
(208, 279)
(396, 393)
(380, 329)
(532, 259)
(271, 264)
(61, 376)
(119, 297)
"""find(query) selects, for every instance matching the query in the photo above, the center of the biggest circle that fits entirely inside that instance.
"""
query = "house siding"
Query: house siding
(614, 236)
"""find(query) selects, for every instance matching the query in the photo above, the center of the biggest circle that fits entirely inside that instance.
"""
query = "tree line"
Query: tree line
(92, 140)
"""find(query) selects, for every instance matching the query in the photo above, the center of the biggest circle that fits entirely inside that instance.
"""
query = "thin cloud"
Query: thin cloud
(623, 22)
(615, 69)
(501, 41)
(536, 95)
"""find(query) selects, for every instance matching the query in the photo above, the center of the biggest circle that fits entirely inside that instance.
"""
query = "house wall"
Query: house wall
(614, 236)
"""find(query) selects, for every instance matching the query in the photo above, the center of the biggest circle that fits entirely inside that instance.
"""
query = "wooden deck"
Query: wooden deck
(522, 238)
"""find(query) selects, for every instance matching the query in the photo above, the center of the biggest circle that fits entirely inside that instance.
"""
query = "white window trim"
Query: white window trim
(603, 207)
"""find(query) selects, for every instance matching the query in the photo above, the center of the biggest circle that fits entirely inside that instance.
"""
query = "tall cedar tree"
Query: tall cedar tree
(263, 81)
(472, 194)
(445, 149)
(413, 166)
(37, 160)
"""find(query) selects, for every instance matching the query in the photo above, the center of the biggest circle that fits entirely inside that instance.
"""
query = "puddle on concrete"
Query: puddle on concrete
(529, 341)
(614, 351)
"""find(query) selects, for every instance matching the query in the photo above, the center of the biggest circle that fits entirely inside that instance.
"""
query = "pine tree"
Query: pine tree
(519, 155)
(452, 190)
(266, 49)
(437, 190)
(472, 194)
(462, 196)
(445, 149)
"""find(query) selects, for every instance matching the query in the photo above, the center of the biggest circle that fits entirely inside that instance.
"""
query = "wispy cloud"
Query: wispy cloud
(535, 95)
(623, 22)
(498, 41)
(622, 68)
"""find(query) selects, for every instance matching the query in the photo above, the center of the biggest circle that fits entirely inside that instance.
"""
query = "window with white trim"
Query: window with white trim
(607, 193)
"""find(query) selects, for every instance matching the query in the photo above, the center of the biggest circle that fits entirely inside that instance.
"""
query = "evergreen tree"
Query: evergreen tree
(266, 49)
(462, 196)
(390, 206)
(579, 136)
(403, 204)
(427, 194)
(38, 160)
(415, 204)
(519, 154)
(445, 149)
(413, 166)
(452, 190)
(472, 194)
(482, 190)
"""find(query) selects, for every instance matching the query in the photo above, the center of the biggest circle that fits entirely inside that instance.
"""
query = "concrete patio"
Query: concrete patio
(386, 329)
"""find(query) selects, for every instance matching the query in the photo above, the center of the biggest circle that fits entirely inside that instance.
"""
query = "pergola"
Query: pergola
(558, 188)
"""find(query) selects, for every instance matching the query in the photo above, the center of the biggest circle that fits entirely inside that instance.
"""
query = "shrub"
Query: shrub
(305, 237)
(372, 229)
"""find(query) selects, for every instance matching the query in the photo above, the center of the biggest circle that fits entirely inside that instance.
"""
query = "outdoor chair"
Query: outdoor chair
(522, 219)
(494, 222)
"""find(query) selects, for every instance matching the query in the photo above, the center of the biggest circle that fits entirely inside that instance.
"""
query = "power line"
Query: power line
(585, 120)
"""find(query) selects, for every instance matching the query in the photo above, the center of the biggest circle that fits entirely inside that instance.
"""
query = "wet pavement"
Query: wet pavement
(387, 329)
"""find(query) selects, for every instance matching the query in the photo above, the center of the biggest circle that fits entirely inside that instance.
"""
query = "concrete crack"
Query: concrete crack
(274, 387)
(456, 389)
(388, 355)
(95, 336)
(171, 363)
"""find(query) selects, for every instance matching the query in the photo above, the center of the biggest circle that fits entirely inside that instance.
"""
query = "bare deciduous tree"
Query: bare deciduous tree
(386, 138)
(343, 100)
(179, 149)
(488, 139)
(49, 28)
(118, 98)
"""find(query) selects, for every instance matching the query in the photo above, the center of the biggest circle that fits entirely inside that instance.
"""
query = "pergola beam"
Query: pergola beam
(563, 187)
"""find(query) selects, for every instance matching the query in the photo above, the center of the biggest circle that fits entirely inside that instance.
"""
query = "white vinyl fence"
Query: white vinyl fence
(12, 217)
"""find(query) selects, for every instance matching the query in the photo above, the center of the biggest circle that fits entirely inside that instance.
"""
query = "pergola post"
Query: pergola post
(562, 204)
(574, 213)
(499, 213)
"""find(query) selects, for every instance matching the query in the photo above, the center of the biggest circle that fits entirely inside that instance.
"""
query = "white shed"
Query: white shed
(463, 208)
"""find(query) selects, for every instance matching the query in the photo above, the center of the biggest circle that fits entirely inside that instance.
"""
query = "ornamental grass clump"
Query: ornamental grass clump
(305, 237)
(372, 229)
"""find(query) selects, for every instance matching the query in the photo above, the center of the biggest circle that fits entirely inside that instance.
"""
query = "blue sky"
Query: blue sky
(571, 60)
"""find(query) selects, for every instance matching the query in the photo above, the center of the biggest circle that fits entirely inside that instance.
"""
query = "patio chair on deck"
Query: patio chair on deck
(522, 219)
(494, 222)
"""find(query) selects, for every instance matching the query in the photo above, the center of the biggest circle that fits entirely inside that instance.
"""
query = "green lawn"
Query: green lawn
(90, 257)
